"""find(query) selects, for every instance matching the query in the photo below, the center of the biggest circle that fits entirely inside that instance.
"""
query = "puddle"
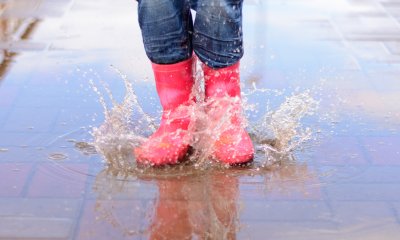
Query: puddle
(320, 87)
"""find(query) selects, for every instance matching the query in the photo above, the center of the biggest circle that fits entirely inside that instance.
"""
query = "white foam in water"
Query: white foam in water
(278, 133)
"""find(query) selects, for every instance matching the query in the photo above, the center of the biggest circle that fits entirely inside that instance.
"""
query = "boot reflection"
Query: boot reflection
(224, 193)
(171, 220)
(201, 207)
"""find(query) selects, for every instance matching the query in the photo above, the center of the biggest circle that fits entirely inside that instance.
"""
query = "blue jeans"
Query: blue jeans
(170, 36)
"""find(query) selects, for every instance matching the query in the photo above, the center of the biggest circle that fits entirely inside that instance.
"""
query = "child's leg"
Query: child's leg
(218, 38)
(218, 42)
(166, 30)
(166, 26)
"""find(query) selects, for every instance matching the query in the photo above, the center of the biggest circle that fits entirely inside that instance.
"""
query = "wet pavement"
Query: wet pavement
(343, 184)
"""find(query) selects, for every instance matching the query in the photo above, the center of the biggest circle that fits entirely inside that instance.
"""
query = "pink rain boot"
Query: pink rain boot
(170, 143)
(222, 90)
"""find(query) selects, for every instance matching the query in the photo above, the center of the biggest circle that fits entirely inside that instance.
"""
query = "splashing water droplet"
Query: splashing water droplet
(3, 150)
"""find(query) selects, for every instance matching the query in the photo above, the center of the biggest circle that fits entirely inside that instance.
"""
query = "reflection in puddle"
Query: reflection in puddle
(13, 33)
(189, 203)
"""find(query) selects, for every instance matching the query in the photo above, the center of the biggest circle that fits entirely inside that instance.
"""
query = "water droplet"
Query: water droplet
(3, 150)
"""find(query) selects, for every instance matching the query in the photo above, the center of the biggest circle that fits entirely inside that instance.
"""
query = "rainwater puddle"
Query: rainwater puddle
(320, 92)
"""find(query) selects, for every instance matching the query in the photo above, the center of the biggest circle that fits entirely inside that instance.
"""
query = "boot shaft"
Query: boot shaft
(174, 83)
(224, 82)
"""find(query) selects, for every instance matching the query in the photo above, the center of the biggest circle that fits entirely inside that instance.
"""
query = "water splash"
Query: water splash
(276, 135)
(280, 131)
(118, 135)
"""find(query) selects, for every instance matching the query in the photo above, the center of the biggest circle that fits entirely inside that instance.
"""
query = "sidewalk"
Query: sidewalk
(344, 186)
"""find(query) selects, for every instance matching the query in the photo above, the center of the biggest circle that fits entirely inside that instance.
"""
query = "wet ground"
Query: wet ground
(342, 184)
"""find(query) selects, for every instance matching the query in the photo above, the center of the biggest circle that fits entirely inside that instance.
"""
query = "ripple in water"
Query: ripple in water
(57, 156)
(275, 135)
